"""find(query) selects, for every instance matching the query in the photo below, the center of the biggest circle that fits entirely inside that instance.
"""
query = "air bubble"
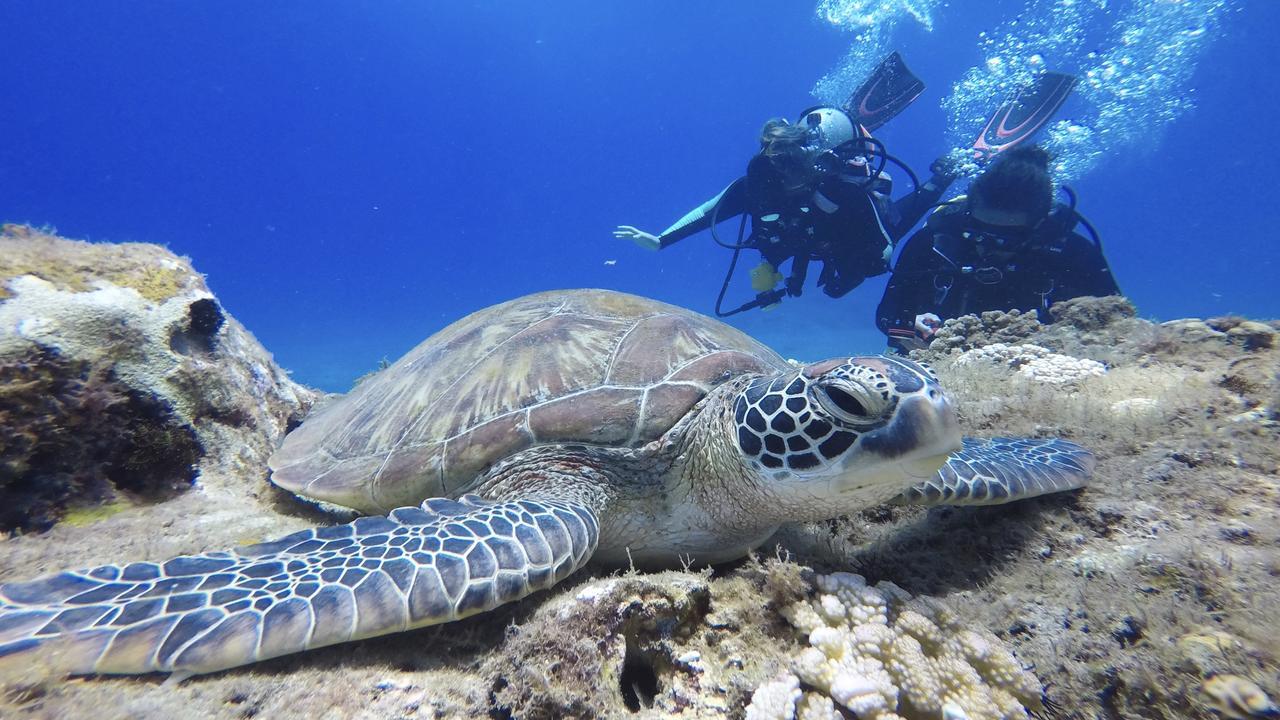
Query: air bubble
(1135, 59)
(872, 22)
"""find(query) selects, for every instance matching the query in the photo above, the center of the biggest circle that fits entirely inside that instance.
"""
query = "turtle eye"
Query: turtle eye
(849, 402)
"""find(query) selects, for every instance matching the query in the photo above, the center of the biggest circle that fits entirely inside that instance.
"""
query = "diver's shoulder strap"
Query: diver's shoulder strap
(1053, 233)
(1063, 218)
(947, 216)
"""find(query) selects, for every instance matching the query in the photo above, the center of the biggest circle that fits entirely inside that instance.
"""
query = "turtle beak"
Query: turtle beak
(918, 442)
(936, 416)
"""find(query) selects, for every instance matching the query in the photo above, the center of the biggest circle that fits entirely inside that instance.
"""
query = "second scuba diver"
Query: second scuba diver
(1006, 245)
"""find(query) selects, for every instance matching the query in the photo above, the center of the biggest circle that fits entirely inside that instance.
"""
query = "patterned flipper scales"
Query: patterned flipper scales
(1000, 470)
(196, 614)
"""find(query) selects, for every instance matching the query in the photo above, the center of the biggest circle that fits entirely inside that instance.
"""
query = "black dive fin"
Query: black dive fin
(889, 90)
(1020, 118)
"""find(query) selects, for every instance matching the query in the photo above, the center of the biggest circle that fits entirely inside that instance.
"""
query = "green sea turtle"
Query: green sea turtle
(510, 448)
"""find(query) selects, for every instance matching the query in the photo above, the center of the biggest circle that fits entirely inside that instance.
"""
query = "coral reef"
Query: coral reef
(884, 655)
(121, 373)
(1107, 330)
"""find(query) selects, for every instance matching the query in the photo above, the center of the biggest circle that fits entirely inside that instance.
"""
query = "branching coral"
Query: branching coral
(885, 655)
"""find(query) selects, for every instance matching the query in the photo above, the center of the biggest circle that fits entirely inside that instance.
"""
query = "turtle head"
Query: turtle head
(841, 435)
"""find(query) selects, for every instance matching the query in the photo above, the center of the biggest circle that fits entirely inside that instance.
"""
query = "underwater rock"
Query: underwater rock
(1094, 320)
(1236, 698)
(1205, 650)
(1138, 408)
(1092, 313)
(121, 373)
(1101, 328)
(1107, 330)
(1190, 330)
(1220, 337)
(1252, 335)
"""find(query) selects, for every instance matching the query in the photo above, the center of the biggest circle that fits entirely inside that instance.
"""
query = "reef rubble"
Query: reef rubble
(1149, 594)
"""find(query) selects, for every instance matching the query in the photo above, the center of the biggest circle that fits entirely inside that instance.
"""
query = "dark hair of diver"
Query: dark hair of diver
(1018, 181)
(786, 147)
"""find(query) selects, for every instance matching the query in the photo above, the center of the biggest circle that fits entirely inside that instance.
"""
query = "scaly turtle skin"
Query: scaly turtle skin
(542, 433)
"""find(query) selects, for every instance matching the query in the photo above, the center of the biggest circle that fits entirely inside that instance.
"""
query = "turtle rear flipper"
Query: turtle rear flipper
(999, 470)
(195, 614)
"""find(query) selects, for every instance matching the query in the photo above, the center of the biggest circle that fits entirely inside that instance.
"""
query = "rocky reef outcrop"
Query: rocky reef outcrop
(123, 379)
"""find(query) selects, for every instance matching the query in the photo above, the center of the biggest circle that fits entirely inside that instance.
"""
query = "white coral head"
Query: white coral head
(775, 700)
(860, 694)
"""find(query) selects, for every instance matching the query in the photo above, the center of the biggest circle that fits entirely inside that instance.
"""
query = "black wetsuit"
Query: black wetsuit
(950, 268)
(840, 219)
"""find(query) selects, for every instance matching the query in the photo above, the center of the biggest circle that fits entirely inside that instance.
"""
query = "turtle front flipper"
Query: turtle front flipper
(1000, 470)
(196, 614)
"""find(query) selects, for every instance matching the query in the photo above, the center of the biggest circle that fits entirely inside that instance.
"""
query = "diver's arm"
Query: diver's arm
(646, 240)
(732, 201)
(910, 288)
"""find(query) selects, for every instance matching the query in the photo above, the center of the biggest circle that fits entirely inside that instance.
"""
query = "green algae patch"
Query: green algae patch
(91, 514)
(77, 266)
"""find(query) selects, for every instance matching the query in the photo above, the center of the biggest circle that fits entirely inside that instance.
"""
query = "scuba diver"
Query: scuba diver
(817, 191)
(1006, 245)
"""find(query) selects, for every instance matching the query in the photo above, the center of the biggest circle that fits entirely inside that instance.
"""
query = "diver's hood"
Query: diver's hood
(828, 127)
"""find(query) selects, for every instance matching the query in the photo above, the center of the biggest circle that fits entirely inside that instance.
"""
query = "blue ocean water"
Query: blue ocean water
(352, 176)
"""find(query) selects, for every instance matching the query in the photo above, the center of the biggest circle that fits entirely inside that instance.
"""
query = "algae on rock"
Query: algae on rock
(154, 272)
(72, 435)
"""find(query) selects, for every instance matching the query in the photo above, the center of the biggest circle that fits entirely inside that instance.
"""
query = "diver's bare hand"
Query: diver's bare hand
(927, 325)
(648, 241)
